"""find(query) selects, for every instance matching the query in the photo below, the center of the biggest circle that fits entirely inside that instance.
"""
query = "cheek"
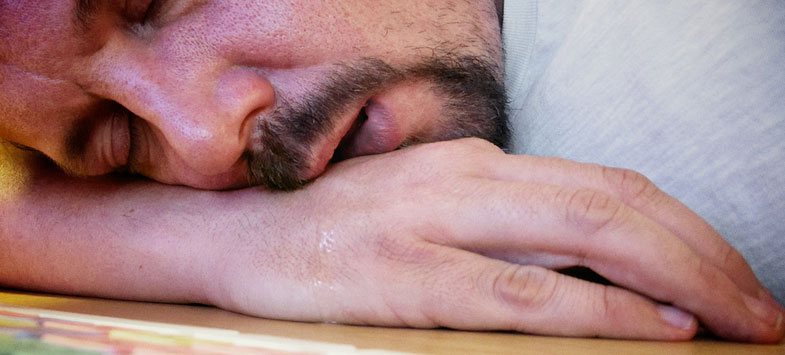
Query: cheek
(34, 109)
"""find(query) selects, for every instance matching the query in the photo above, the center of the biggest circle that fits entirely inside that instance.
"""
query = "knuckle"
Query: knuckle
(708, 273)
(591, 210)
(462, 146)
(593, 300)
(479, 144)
(440, 160)
(527, 287)
(632, 186)
(730, 256)
(609, 305)
(436, 156)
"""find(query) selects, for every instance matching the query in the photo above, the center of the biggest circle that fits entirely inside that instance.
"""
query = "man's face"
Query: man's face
(227, 93)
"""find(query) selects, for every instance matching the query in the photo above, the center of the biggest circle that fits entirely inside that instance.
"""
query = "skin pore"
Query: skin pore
(449, 234)
(223, 94)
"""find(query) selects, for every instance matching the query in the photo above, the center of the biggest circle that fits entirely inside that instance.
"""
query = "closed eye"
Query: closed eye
(24, 147)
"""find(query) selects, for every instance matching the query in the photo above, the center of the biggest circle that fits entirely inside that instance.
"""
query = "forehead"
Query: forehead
(35, 28)
(36, 17)
(37, 47)
(42, 36)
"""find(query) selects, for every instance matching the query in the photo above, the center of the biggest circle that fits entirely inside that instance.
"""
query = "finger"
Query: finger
(616, 241)
(470, 291)
(641, 194)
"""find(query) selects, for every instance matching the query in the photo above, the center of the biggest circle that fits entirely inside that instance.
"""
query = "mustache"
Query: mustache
(474, 99)
(289, 132)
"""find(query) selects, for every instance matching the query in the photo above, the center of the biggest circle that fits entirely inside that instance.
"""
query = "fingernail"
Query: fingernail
(676, 317)
(765, 312)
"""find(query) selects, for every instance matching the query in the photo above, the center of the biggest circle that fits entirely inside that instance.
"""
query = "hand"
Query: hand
(458, 234)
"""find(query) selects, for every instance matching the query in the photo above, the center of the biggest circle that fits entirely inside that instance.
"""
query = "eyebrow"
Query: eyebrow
(84, 13)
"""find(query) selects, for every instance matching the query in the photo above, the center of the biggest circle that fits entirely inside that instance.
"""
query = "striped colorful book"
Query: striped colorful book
(35, 331)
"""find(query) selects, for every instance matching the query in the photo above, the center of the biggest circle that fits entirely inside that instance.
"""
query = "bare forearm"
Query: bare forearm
(141, 240)
(121, 239)
(461, 235)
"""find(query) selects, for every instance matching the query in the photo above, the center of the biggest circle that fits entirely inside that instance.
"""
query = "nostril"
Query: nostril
(248, 124)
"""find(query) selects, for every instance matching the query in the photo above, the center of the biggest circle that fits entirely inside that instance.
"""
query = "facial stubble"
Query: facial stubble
(473, 105)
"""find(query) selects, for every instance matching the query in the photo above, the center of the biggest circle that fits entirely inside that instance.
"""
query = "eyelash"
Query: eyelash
(24, 147)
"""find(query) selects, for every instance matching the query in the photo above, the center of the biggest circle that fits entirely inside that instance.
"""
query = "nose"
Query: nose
(202, 118)
(210, 132)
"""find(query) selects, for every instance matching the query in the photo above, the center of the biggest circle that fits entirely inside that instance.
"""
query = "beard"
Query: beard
(473, 104)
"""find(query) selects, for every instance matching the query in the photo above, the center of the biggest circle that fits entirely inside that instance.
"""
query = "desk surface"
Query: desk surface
(405, 340)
